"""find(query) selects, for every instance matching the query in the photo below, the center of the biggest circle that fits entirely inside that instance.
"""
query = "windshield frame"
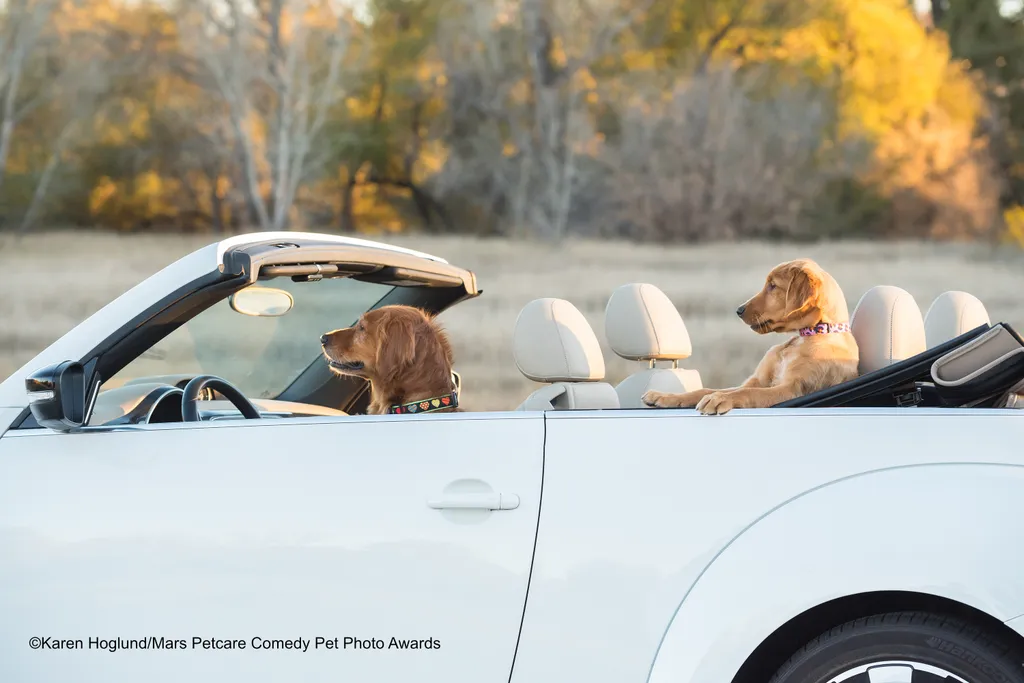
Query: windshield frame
(261, 356)
(431, 283)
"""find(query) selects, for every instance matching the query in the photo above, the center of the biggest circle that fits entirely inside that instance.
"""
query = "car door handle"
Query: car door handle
(475, 501)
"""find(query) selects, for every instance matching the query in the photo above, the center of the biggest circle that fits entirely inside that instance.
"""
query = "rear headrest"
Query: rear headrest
(952, 314)
(641, 323)
(888, 327)
(553, 342)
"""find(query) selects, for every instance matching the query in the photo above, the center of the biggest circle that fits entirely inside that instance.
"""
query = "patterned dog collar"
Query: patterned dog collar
(824, 328)
(427, 405)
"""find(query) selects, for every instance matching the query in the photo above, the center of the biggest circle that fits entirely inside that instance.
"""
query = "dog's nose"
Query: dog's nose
(739, 311)
(323, 339)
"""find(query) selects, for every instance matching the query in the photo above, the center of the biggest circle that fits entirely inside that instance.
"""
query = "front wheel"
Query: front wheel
(903, 647)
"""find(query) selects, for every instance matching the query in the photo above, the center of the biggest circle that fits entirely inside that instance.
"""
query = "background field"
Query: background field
(50, 282)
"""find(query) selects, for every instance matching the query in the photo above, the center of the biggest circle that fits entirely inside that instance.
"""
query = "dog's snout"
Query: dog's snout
(739, 311)
(323, 339)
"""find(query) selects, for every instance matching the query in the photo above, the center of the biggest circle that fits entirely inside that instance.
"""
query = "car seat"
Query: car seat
(554, 344)
(888, 327)
(951, 314)
(641, 324)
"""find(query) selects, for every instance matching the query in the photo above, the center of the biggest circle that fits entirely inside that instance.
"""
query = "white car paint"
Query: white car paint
(667, 546)
(250, 237)
(712, 532)
(277, 529)
(7, 416)
(104, 322)
(657, 546)
(920, 534)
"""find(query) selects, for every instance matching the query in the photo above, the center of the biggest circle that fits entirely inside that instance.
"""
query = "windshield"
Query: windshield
(261, 355)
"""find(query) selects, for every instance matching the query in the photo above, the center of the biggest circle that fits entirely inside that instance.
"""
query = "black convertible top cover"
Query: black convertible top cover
(909, 382)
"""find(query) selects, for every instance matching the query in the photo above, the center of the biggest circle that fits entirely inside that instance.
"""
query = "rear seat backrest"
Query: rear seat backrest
(888, 327)
(951, 314)
(641, 324)
(553, 343)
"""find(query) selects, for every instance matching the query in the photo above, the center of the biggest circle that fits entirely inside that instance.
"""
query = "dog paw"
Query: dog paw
(715, 404)
(658, 399)
(651, 398)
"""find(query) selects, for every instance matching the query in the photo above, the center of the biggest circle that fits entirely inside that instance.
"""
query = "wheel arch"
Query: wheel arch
(878, 536)
(801, 629)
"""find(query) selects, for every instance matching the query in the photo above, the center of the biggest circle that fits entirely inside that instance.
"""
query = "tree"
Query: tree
(520, 96)
(382, 139)
(720, 159)
(658, 119)
(992, 45)
(278, 67)
(56, 76)
(22, 25)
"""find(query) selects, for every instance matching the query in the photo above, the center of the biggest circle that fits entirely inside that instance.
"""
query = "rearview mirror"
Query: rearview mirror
(57, 396)
(262, 302)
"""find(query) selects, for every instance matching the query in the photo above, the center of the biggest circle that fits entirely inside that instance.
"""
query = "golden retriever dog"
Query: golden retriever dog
(797, 296)
(403, 353)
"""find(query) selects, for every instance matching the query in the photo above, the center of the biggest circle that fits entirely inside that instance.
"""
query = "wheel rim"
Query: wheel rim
(897, 671)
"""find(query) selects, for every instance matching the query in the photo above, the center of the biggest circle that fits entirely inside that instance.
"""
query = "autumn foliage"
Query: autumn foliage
(653, 119)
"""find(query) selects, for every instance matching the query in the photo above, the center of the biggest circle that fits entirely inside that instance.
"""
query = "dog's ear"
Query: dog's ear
(803, 287)
(396, 345)
(802, 292)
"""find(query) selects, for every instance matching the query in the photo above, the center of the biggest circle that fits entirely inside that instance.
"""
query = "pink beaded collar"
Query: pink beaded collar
(824, 328)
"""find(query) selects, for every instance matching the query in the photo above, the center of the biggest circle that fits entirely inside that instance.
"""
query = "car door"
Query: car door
(315, 549)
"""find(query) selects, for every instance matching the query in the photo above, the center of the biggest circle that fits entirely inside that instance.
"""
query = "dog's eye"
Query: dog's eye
(771, 286)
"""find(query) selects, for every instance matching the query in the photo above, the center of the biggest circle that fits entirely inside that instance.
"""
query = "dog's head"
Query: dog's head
(795, 294)
(386, 343)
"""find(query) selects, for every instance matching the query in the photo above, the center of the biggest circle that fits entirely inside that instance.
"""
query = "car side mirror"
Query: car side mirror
(58, 396)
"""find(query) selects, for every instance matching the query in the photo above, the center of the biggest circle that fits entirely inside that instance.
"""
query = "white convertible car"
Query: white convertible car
(187, 493)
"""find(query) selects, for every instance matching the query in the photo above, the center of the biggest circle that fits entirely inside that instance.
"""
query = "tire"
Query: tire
(903, 647)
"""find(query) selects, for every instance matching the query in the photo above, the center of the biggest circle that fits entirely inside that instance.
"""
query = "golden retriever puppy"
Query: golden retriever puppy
(798, 296)
(403, 353)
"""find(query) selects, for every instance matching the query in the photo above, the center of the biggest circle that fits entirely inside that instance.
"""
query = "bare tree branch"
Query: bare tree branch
(20, 36)
(279, 81)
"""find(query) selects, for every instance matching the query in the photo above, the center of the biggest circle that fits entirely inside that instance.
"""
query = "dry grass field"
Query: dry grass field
(50, 282)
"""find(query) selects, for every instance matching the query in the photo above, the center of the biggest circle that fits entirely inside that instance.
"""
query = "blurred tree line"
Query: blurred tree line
(648, 119)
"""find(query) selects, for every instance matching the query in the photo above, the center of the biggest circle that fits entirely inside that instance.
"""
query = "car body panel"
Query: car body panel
(637, 504)
(947, 530)
(7, 417)
(276, 529)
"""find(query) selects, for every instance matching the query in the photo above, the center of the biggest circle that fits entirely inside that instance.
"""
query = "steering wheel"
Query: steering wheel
(190, 399)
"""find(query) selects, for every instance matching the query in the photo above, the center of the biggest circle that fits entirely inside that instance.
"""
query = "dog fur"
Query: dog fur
(796, 294)
(401, 350)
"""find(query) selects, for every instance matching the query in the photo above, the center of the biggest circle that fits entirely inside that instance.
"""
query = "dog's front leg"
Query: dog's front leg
(721, 402)
(659, 399)
(378, 405)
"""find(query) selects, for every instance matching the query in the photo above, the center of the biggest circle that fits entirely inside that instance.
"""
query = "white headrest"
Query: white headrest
(553, 342)
(888, 327)
(952, 314)
(641, 323)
